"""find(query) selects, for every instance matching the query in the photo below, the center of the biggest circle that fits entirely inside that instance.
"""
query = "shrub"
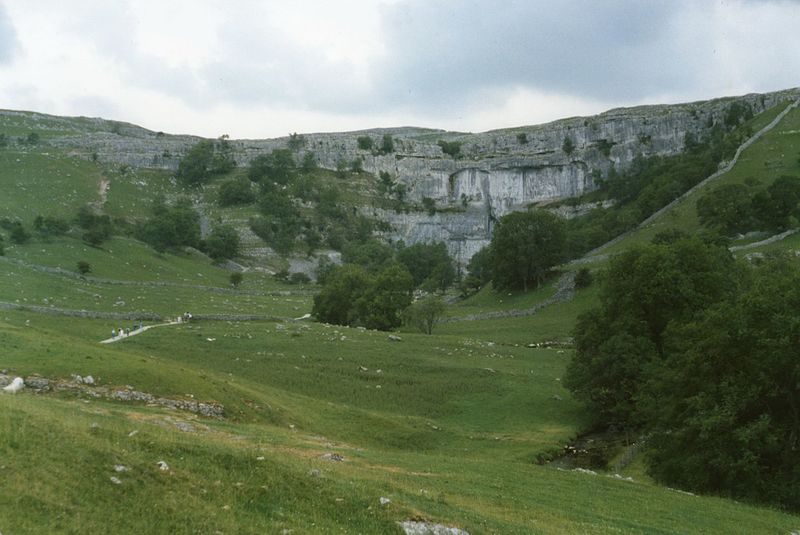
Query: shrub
(236, 191)
(19, 235)
(522, 138)
(236, 279)
(451, 148)
(84, 267)
(222, 243)
(365, 142)
(583, 278)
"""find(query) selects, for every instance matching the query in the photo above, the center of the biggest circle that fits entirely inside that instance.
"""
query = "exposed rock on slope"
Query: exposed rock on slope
(496, 172)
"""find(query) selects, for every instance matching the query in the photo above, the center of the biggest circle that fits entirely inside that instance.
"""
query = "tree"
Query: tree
(277, 167)
(18, 234)
(171, 226)
(236, 279)
(296, 142)
(424, 314)
(644, 290)
(525, 246)
(193, 169)
(568, 146)
(430, 265)
(784, 202)
(387, 144)
(343, 286)
(722, 406)
(451, 148)
(365, 142)
(236, 191)
(726, 208)
(50, 226)
(383, 302)
(222, 243)
(84, 267)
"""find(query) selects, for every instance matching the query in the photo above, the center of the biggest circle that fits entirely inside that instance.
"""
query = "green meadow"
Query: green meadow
(321, 421)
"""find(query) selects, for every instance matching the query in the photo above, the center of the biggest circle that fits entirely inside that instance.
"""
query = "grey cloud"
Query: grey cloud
(8, 37)
(606, 50)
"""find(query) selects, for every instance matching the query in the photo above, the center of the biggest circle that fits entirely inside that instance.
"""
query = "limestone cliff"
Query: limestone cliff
(495, 173)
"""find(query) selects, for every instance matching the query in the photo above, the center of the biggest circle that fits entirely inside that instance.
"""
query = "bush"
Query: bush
(568, 146)
(235, 192)
(424, 314)
(236, 279)
(387, 144)
(18, 234)
(171, 226)
(365, 142)
(222, 243)
(583, 278)
(84, 267)
(299, 278)
(50, 226)
(522, 138)
(451, 148)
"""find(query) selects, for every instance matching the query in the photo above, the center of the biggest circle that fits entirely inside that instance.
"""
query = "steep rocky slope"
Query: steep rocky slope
(496, 172)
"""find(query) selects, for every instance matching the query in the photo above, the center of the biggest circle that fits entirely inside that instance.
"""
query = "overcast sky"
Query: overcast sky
(266, 68)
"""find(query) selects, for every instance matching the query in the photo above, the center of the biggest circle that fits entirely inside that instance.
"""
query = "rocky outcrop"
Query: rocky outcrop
(493, 174)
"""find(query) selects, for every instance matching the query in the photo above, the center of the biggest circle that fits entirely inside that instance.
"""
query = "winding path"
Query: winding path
(119, 337)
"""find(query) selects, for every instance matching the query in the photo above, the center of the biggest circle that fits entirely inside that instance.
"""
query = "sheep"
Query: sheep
(16, 385)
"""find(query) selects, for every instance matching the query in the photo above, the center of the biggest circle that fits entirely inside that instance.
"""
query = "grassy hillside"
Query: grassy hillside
(320, 421)
(777, 153)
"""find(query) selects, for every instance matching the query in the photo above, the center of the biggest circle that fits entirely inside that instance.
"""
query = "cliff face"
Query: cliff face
(495, 173)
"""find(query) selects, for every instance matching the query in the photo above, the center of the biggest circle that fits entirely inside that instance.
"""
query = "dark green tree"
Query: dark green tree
(236, 279)
(343, 287)
(568, 146)
(365, 142)
(84, 267)
(277, 167)
(222, 243)
(382, 304)
(525, 246)
(235, 192)
(171, 226)
(195, 167)
(430, 265)
(643, 291)
(723, 407)
(18, 234)
(387, 144)
(727, 208)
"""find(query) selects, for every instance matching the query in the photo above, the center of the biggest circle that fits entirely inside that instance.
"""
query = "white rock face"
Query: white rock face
(497, 172)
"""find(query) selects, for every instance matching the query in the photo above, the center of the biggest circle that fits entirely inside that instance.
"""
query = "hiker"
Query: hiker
(113, 333)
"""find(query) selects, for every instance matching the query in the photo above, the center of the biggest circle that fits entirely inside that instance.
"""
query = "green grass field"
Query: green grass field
(449, 427)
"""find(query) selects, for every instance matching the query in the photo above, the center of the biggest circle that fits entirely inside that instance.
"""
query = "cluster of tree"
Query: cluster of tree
(451, 148)
(525, 247)
(97, 228)
(171, 226)
(373, 287)
(50, 226)
(205, 160)
(351, 295)
(734, 208)
(368, 143)
(699, 353)
(653, 182)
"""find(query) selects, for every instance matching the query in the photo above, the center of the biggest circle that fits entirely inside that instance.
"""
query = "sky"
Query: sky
(267, 68)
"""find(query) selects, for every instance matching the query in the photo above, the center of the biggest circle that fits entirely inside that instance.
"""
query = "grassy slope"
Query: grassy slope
(775, 154)
(450, 435)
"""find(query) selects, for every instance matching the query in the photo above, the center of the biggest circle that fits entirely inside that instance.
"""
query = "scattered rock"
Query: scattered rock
(314, 473)
(384, 501)
(363, 369)
(133, 433)
(115, 480)
(585, 471)
(557, 397)
(260, 458)
(88, 380)
(395, 338)
(332, 457)
(411, 527)
(37, 384)
(121, 468)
